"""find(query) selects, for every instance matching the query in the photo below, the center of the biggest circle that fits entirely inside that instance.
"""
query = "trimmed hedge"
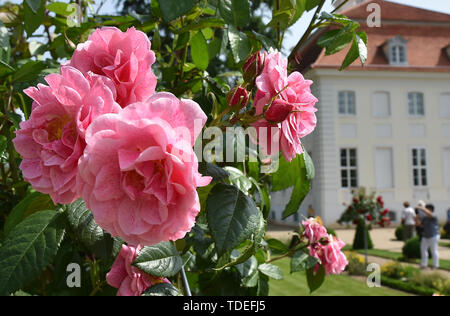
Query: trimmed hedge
(406, 286)
(358, 242)
(399, 233)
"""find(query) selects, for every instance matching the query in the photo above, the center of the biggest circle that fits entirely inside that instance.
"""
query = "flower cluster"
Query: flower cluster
(325, 247)
(283, 109)
(366, 207)
(98, 131)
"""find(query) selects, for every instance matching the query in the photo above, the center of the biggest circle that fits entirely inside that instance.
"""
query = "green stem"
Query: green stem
(308, 31)
(9, 144)
(289, 253)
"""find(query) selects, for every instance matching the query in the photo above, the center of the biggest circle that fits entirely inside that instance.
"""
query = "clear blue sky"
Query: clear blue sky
(297, 30)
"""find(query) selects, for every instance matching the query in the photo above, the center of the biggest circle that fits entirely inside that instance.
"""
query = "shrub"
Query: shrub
(356, 264)
(406, 286)
(397, 270)
(430, 280)
(443, 286)
(399, 233)
(358, 242)
(411, 249)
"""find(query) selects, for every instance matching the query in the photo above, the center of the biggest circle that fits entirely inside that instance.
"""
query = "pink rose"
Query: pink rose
(128, 279)
(330, 255)
(274, 83)
(314, 231)
(52, 139)
(124, 57)
(139, 173)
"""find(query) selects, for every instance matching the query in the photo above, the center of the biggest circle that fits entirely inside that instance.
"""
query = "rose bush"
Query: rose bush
(116, 139)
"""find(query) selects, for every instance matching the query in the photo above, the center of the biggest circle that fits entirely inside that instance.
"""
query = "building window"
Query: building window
(347, 104)
(381, 104)
(349, 168)
(444, 102)
(416, 105)
(419, 167)
(396, 51)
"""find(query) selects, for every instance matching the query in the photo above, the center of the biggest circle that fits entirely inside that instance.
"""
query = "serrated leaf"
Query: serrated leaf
(201, 24)
(238, 179)
(302, 261)
(162, 289)
(315, 279)
(248, 270)
(172, 9)
(235, 12)
(212, 170)
(232, 216)
(32, 203)
(301, 188)
(286, 175)
(33, 16)
(29, 71)
(239, 43)
(34, 4)
(271, 270)
(199, 51)
(90, 234)
(162, 260)
(277, 245)
(29, 248)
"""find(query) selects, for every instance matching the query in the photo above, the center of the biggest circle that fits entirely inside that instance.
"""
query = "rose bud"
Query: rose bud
(355, 200)
(278, 111)
(253, 67)
(385, 212)
(237, 96)
(369, 217)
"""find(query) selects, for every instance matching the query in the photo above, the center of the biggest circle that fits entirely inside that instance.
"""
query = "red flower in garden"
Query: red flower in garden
(355, 200)
(385, 212)
(369, 217)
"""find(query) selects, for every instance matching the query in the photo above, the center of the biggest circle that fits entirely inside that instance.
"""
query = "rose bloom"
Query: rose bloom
(274, 83)
(128, 279)
(124, 57)
(139, 173)
(314, 231)
(330, 255)
(52, 140)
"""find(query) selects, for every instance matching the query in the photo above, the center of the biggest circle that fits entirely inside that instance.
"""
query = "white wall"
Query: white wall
(399, 132)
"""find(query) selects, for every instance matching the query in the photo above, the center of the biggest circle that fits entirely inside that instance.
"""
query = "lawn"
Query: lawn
(336, 285)
(444, 264)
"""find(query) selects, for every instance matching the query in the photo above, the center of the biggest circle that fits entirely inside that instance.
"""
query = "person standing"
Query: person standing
(408, 221)
(430, 236)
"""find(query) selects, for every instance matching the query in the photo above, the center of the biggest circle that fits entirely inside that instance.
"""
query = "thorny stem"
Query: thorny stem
(185, 282)
(11, 155)
(308, 31)
(290, 252)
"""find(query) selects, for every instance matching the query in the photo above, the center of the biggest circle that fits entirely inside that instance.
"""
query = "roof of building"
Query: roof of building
(427, 34)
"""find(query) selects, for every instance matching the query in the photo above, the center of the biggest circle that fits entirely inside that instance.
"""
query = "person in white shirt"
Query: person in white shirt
(408, 221)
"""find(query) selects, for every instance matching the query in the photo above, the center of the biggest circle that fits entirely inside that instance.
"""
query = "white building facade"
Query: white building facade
(385, 127)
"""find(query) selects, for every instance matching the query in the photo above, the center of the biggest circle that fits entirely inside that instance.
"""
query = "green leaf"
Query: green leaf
(311, 4)
(352, 55)
(5, 69)
(90, 234)
(212, 170)
(272, 271)
(235, 12)
(3, 144)
(248, 270)
(277, 245)
(201, 24)
(358, 49)
(286, 175)
(162, 289)
(315, 280)
(309, 164)
(239, 43)
(59, 8)
(301, 188)
(29, 71)
(162, 260)
(32, 203)
(302, 261)
(266, 42)
(29, 248)
(199, 51)
(172, 9)
(34, 4)
(239, 179)
(33, 17)
(232, 216)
